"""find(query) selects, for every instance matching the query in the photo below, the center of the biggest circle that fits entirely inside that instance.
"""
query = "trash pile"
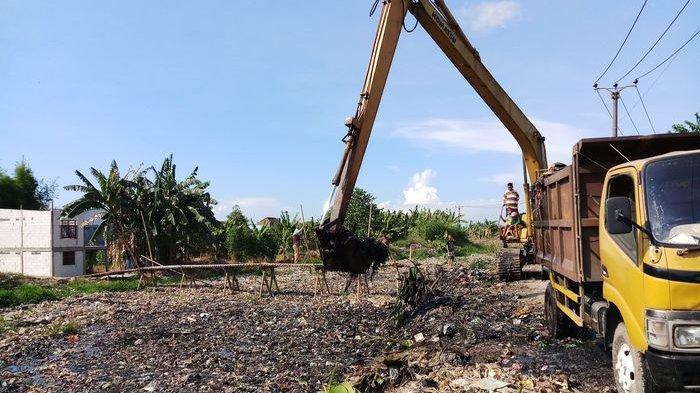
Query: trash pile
(477, 334)
(471, 334)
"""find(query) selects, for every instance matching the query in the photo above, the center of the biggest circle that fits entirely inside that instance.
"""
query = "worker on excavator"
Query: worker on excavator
(510, 200)
(511, 222)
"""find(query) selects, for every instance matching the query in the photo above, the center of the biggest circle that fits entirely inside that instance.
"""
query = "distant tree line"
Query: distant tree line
(23, 190)
(687, 126)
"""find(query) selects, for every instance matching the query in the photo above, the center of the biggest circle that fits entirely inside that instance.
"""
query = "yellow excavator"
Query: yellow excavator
(342, 251)
(617, 231)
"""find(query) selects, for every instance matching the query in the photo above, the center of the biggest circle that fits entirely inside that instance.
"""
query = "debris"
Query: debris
(448, 329)
(197, 339)
(489, 384)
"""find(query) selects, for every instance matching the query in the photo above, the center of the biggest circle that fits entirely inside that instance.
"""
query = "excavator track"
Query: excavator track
(509, 264)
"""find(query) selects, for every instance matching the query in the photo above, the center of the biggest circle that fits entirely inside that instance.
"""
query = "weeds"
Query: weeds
(413, 289)
(6, 326)
(14, 293)
(27, 294)
(334, 386)
(64, 329)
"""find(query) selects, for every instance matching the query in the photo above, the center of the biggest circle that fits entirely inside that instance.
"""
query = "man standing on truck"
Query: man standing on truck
(510, 199)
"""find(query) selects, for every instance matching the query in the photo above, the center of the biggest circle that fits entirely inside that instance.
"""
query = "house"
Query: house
(39, 243)
(268, 222)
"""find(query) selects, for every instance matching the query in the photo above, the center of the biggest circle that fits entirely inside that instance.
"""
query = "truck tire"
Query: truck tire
(509, 265)
(558, 324)
(629, 370)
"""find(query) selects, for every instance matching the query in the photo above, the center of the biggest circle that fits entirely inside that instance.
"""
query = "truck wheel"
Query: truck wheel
(629, 369)
(508, 265)
(558, 324)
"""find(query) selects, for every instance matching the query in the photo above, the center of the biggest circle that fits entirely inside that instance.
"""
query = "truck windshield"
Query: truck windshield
(673, 199)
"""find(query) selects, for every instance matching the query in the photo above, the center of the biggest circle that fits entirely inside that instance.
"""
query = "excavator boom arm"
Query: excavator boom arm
(439, 23)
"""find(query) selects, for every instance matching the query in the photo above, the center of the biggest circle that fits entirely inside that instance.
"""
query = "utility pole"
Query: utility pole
(614, 91)
(459, 214)
(615, 95)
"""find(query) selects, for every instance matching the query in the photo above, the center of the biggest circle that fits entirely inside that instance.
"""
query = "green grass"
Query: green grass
(5, 325)
(88, 286)
(64, 329)
(26, 294)
(18, 293)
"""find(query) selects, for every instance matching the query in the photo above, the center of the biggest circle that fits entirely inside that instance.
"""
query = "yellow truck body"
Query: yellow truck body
(618, 233)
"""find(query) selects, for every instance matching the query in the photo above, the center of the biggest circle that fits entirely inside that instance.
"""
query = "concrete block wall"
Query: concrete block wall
(37, 263)
(10, 262)
(10, 228)
(27, 247)
(37, 229)
(60, 270)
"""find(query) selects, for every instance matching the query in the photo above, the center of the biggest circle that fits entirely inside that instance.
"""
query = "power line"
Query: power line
(671, 56)
(655, 43)
(645, 109)
(628, 115)
(623, 42)
(604, 104)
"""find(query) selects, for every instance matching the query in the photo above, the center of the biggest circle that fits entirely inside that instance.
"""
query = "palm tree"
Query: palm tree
(115, 196)
(178, 215)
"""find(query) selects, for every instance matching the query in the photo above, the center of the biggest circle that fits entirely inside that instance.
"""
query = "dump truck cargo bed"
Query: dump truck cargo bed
(566, 200)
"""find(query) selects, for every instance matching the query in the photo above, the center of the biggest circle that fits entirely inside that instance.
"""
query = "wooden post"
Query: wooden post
(369, 221)
(262, 282)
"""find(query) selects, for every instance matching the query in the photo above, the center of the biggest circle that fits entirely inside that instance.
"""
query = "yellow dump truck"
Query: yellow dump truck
(618, 233)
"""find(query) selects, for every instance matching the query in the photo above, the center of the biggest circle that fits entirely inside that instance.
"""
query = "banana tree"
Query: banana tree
(115, 196)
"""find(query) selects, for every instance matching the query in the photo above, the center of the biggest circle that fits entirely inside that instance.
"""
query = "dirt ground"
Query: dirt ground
(473, 334)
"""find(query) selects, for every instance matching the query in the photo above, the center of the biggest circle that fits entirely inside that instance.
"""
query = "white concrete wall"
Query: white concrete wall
(37, 263)
(59, 270)
(26, 245)
(10, 228)
(36, 229)
(10, 262)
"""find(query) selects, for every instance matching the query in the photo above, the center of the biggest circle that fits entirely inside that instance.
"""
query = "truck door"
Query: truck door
(623, 281)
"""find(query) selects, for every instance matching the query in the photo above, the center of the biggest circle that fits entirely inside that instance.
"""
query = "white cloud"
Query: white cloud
(384, 205)
(489, 136)
(253, 207)
(418, 191)
(504, 178)
(490, 15)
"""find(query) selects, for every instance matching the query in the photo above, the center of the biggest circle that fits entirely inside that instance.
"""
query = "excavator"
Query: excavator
(617, 231)
(341, 250)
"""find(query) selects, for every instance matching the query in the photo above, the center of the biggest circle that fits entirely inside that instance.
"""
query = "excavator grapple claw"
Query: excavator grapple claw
(342, 251)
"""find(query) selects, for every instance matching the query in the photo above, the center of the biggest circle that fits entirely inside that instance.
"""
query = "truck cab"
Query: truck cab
(650, 261)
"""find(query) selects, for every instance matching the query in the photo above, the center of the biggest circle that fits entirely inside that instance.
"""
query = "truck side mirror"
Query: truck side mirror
(618, 215)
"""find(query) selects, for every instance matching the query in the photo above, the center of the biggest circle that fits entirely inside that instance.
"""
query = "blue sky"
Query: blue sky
(255, 93)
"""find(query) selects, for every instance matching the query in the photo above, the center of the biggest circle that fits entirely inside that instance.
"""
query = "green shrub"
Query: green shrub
(27, 294)
(64, 329)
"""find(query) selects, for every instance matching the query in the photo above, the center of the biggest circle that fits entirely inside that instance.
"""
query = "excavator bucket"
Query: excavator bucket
(342, 251)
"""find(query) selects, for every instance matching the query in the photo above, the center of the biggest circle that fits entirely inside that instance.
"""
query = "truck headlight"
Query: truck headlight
(657, 333)
(686, 336)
